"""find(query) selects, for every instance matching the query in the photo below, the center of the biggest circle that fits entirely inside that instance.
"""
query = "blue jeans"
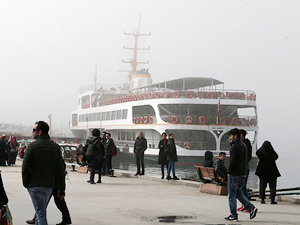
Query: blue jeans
(235, 186)
(96, 164)
(245, 186)
(40, 197)
(171, 165)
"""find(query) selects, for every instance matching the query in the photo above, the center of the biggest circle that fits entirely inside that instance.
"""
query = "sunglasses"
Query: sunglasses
(34, 130)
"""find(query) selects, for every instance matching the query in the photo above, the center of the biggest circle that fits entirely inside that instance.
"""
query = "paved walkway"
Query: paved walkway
(139, 201)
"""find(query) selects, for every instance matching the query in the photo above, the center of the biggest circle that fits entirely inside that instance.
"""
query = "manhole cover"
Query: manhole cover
(169, 219)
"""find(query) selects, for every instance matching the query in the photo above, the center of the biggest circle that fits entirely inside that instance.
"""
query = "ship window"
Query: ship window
(119, 135)
(145, 110)
(113, 115)
(90, 116)
(129, 135)
(107, 115)
(103, 116)
(85, 102)
(123, 136)
(119, 114)
(196, 139)
(80, 118)
(99, 116)
(124, 114)
(94, 116)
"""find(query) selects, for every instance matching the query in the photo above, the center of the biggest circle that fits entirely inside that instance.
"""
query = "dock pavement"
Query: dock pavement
(137, 201)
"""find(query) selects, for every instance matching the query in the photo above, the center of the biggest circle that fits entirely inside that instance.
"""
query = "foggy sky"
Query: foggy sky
(49, 50)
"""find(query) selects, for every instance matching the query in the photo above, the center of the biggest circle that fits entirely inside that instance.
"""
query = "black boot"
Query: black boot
(31, 221)
(65, 221)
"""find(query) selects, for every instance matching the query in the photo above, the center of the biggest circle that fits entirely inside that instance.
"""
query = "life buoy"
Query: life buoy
(221, 95)
(189, 94)
(234, 121)
(252, 122)
(174, 119)
(231, 95)
(141, 119)
(151, 95)
(176, 94)
(188, 119)
(209, 95)
(157, 94)
(187, 145)
(199, 94)
(243, 121)
(145, 95)
(201, 119)
(151, 119)
(242, 96)
(133, 119)
(251, 97)
(222, 121)
(145, 119)
(166, 94)
(254, 97)
(137, 120)
(141, 97)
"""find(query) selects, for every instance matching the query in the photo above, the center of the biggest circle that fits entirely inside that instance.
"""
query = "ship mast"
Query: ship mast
(95, 77)
(134, 62)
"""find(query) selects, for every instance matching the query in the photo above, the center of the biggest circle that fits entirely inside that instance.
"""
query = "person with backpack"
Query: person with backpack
(110, 151)
(94, 153)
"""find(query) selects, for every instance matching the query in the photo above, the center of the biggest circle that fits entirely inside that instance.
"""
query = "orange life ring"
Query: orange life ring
(133, 119)
(254, 97)
(243, 121)
(157, 94)
(174, 119)
(176, 94)
(231, 95)
(252, 122)
(166, 94)
(242, 96)
(189, 94)
(137, 119)
(187, 145)
(151, 119)
(221, 95)
(199, 94)
(141, 119)
(201, 119)
(188, 119)
(222, 121)
(145, 119)
(234, 121)
(145, 95)
(209, 95)
(251, 97)
(151, 95)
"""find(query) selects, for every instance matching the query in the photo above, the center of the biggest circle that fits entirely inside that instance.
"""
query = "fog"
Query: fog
(49, 50)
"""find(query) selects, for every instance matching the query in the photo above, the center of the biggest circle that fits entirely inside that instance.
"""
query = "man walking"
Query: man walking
(237, 170)
(42, 163)
(140, 147)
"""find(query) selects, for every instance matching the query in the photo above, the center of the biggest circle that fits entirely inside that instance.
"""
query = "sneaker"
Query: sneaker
(92, 182)
(142, 174)
(136, 174)
(273, 202)
(253, 212)
(262, 201)
(241, 208)
(168, 177)
(162, 177)
(175, 178)
(99, 181)
(232, 218)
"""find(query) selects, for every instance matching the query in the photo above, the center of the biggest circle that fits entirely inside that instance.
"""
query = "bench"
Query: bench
(212, 183)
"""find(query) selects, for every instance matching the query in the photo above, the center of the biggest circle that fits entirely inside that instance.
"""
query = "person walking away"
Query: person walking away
(13, 144)
(3, 150)
(220, 167)
(162, 157)
(97, 157)
(42, 163)
(208, 159)
(109, 150)
(247, 142)
(267, 171)
(237, 170)
(140, 146)
(172, 157)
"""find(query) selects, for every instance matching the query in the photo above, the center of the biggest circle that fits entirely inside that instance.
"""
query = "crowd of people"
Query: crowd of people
(8, 150)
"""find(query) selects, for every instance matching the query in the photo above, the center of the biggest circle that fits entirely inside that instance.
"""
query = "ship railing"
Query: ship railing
(196, 94)
(210, 120)
(101, 87)
(144, 118)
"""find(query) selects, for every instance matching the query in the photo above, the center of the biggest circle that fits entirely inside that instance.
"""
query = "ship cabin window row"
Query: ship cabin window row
(104, 116)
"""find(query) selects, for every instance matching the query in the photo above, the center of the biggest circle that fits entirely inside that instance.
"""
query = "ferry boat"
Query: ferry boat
(199, 111)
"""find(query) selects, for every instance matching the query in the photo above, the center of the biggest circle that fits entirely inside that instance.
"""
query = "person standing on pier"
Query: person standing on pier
(140, 146)
(13, 144)
(109, 151)
(237, 170)
(267, 171)
(162, 157)
(104, 166)
(42, 165)
(247, 142)
(172, 157)
(3, 150)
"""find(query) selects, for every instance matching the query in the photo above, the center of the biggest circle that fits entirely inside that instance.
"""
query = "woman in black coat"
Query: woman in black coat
(208, 159)
(162, 157)
(267, 171)
(3, 196)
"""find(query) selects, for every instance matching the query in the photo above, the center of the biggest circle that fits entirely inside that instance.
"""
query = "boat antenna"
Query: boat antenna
(134, 63)
(95, 77)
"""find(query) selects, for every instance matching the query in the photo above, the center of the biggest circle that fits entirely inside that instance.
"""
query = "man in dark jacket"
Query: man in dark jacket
(140, 147)
(219, 166)
(42, 163)
(109, 151)
(97, 158)
(247, 142)
(237, 170)
(3, 150)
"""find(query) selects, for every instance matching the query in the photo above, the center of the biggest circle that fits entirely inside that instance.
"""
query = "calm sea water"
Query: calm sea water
(287, 167)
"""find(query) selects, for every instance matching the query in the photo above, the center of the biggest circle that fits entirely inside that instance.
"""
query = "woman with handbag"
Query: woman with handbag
(267, 171)
(162, 156)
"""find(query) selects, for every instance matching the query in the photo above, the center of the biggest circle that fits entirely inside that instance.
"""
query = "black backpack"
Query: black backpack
(90, 148)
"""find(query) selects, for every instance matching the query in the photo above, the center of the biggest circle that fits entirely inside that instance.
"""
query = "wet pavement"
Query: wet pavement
(126, 200)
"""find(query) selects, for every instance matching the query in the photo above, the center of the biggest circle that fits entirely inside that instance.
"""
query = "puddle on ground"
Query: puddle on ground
(176, 219)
